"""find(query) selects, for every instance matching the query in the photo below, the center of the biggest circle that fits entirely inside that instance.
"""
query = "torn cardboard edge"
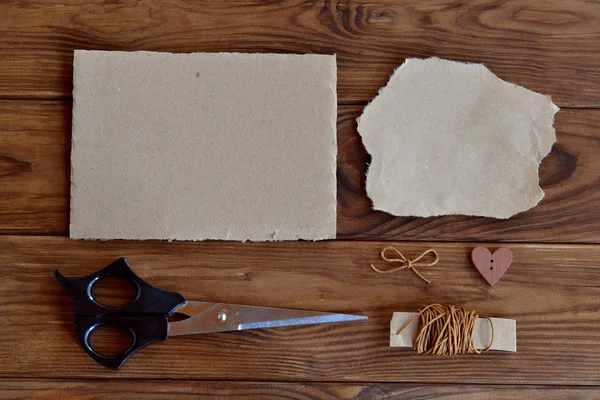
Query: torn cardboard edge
(505, 332)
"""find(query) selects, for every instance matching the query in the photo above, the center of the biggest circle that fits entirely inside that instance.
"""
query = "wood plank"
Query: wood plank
(34, 183)
(35, 146)
(13, 389)
(553, 291)
(550, 47)
(568, 175)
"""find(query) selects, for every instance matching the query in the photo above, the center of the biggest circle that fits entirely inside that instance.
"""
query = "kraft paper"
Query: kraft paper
(452, 138)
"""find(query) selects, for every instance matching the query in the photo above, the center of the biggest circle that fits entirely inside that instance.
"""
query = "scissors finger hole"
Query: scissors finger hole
(114, 291)
(110, 340)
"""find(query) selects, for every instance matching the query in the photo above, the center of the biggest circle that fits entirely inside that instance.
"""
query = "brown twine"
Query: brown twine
(446, 330)
(407, 263)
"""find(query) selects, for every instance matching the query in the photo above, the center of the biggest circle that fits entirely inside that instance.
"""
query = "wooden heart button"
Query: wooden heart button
(491, 266)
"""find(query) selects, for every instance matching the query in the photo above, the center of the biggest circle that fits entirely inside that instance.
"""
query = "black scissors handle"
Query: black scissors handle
(146, 317)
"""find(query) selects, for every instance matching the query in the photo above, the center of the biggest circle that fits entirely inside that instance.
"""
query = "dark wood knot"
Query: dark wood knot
(380, 16)
(11, 166)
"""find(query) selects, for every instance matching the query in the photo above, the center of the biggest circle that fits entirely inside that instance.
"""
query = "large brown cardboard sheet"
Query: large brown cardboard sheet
(203, 146)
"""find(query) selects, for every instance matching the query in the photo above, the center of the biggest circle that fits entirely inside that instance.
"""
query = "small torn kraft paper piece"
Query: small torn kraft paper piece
(203, 146)
(452, 138)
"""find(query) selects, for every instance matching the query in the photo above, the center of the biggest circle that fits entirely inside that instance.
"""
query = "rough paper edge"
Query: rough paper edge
(556, 109)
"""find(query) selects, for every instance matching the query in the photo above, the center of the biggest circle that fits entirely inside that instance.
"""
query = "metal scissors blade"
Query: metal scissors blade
(222, 317)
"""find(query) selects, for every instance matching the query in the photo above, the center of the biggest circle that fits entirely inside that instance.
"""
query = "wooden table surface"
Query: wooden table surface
(552, 289)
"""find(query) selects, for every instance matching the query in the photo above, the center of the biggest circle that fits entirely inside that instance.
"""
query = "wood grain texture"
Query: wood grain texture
(552, 47)
(34, 183)
(569, 175)
(35, 146)
(19, 389)
(551, 290)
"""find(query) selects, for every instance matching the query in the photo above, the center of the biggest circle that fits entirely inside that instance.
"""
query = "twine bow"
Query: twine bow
(407, 263)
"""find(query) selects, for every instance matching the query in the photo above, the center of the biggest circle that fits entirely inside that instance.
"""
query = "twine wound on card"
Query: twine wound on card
(446, 330)
(407, 263)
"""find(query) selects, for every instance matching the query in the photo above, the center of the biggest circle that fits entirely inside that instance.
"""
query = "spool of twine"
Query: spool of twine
(446, 330)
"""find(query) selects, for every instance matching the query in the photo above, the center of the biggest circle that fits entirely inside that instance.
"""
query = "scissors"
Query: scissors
(146, 317)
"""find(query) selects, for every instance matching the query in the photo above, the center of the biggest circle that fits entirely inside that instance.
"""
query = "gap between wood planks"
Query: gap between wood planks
(340, 103)
(384, 241)
(9, 378)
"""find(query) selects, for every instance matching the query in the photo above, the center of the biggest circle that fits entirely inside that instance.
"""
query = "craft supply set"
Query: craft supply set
(242, 147)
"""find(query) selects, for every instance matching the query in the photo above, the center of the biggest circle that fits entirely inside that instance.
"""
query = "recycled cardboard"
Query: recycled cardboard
(203, 146)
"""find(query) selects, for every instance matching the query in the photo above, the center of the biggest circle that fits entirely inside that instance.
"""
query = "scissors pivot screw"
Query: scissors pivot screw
(222, 316)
